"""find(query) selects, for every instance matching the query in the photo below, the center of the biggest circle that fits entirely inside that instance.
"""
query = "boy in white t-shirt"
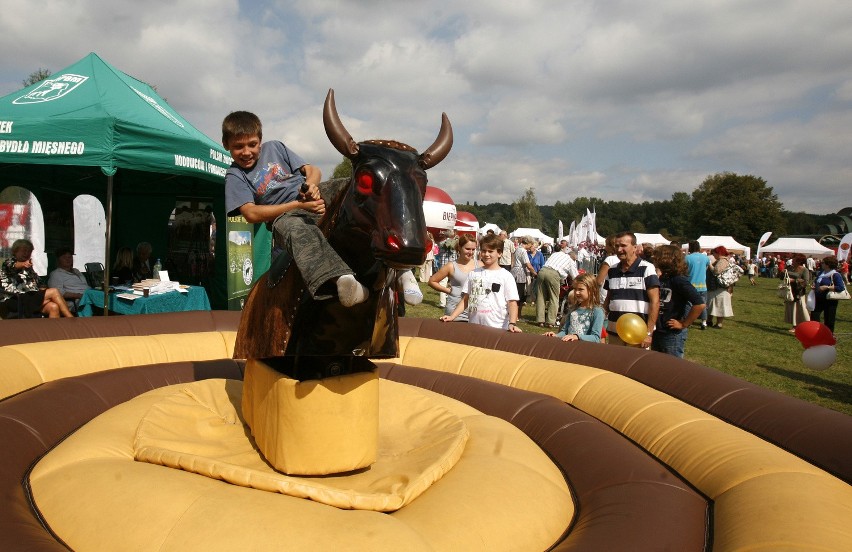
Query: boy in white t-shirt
(490, 295)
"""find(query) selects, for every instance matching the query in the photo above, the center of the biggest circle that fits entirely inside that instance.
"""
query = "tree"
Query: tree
(677, 214)
(740, 206)
(527, 214)
(638, 228)
(343, 169)
(36, 76)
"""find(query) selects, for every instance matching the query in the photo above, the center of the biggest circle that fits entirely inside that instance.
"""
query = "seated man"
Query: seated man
(68, 280)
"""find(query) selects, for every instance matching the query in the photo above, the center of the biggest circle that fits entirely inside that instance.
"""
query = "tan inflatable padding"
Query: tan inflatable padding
(727, 464)
(199, 429)
(504, 493)
(313, 427)
(36, 363)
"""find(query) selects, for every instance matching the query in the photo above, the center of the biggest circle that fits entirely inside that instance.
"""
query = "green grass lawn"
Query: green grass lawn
(754, 345)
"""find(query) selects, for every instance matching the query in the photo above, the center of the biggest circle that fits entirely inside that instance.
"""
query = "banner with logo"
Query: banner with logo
(843, 248)
(240, 261)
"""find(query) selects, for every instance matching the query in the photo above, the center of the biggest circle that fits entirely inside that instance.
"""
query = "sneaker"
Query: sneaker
(350, 291)
(703, 326)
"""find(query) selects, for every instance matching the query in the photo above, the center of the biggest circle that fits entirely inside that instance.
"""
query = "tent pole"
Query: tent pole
(106, 253)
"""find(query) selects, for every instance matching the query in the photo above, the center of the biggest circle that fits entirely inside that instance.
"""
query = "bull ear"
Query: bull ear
(435, 153)
(334, 129)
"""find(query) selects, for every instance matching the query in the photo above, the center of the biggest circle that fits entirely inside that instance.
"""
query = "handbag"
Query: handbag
(729, 276)
(810, 302)
(785, 290)
(838, 295)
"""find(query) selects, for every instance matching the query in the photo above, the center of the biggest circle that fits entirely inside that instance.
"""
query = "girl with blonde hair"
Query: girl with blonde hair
(586, 317)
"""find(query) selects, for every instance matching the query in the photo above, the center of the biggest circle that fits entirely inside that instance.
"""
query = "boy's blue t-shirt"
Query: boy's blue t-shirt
(275, 179)
(698, 263)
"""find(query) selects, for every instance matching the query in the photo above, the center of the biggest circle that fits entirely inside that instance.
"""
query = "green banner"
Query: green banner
(240, 261)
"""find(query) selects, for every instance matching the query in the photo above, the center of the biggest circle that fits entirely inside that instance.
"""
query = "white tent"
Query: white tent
(806, 246)
(653, 239)
(533, 233)
(711, 242)
(489, 226)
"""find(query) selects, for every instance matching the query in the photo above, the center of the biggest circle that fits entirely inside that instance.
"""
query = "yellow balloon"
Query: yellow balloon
(631, 328)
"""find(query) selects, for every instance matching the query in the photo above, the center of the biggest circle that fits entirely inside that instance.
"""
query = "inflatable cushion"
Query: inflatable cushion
(504, 493)
(199, 429)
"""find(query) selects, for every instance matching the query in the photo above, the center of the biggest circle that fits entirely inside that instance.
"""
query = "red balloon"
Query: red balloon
(814, 333)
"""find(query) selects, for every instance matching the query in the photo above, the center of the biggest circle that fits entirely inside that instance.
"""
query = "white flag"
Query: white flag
(560, 233)
(763, 239)
(843, 248)
(594, 231)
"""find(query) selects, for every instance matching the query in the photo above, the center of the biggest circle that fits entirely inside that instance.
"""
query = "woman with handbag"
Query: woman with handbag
(721, 277)
(795, 311)
(829, 289)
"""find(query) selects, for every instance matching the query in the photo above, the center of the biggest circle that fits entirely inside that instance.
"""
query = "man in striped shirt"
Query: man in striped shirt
(632, 286)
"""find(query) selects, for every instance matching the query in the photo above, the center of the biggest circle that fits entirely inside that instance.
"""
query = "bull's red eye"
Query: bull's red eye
(364, 183)
(394, 243)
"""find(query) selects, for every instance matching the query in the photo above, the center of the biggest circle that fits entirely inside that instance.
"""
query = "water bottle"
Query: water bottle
(158, 266)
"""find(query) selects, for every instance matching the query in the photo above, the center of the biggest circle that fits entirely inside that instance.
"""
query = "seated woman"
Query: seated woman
(142, 262)
(19, 281)
(123, 266)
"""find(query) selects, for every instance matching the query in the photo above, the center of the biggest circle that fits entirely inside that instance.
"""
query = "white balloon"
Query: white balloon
(439, 215)
(819, 357)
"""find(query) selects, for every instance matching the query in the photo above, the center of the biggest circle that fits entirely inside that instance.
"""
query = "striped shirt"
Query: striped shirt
(563, 264)
(627, 290)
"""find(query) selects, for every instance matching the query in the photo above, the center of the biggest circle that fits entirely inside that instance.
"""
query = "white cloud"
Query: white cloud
(619, 99)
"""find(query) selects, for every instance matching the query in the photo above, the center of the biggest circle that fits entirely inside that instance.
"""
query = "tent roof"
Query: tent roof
(653, 239)
(806, 246)
(489, 226)
(533, 233)
(710, 242)
(92, 114)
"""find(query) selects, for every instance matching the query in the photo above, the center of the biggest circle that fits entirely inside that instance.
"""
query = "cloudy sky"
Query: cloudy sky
(615, 99)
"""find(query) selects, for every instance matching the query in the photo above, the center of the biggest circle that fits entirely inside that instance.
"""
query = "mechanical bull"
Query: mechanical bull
(374, 221)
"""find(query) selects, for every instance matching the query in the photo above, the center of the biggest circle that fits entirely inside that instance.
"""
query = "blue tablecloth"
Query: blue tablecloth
(173, 301)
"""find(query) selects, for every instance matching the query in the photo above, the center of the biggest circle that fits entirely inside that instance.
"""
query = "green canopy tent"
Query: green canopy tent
(92, 129)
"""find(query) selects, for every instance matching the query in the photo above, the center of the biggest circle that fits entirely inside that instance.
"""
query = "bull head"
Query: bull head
(385, 198)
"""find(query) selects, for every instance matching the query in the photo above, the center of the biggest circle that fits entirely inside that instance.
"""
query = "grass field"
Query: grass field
(754, 345)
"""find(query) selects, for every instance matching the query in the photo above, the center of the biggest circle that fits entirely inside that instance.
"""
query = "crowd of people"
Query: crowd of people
(25, 294)
(670, 290)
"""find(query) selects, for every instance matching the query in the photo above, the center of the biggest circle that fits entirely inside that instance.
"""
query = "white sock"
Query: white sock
(350, 291)
(410, 290)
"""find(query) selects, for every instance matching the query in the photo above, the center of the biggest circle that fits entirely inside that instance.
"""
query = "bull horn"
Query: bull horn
(435, 153)
(334, 129)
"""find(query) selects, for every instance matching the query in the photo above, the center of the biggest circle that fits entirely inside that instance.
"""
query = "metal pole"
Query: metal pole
(106, 253)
